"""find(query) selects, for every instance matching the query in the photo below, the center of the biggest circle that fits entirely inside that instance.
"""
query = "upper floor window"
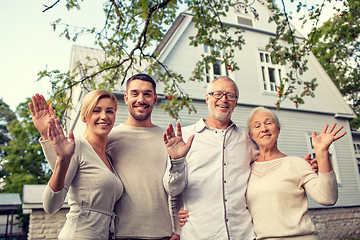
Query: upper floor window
(216, 69)
(245, 14)
(271, 73)
(357, 154)
(332, 154)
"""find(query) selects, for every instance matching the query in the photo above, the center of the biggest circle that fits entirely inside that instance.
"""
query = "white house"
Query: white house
(257, 80)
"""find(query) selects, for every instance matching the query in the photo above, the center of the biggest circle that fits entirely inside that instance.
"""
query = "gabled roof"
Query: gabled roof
(332, 101)
(87, 56)
(170, 33)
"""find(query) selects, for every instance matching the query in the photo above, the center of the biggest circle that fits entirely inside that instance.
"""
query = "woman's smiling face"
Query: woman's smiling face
(264, 130)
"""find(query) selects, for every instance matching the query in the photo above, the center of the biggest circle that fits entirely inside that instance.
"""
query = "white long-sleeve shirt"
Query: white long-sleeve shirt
(213, 178)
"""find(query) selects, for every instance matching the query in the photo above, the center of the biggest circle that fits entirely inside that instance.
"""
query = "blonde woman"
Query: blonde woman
(81, 169)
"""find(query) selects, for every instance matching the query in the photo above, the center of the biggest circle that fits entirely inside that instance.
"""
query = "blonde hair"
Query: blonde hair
(91, 99)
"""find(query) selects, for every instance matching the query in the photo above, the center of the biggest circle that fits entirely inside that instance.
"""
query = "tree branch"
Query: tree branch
(49, 7)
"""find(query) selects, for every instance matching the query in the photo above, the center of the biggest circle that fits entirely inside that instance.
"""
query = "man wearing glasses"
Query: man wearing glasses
(213, 174)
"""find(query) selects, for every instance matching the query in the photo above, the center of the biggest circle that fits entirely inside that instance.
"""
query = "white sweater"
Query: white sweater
(277, 200)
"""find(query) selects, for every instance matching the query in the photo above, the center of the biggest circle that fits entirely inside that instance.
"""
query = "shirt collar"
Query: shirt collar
(200, 125)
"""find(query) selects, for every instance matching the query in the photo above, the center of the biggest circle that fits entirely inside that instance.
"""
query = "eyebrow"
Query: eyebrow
(136, 90)
(266, 119)
(106, 108)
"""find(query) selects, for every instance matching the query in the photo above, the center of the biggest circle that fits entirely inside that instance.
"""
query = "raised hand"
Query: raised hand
(174, 143)
(64, 148)
(41, 113)
(326, 137)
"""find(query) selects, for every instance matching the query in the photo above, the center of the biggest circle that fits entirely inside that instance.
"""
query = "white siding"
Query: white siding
(182, 58)
(293, 141)
(296, 123)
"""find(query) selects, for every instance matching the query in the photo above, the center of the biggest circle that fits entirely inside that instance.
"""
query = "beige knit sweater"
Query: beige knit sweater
(277, 199)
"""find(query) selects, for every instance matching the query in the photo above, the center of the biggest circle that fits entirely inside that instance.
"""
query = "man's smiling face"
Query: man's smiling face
(140, 99)
(221, 109)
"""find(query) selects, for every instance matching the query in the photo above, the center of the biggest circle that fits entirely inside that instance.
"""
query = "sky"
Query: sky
(29, 45)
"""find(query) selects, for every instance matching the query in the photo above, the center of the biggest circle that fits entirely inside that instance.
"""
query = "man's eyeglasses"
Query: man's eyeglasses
(229, 96)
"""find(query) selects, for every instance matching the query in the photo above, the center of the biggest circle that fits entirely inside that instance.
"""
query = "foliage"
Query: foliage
(294, 52)
(6, 116)
(23, 161)
(60, 84)
(337, 47)
(132, 30)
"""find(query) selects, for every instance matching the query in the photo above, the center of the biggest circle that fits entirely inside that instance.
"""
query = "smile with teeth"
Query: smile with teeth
(103, 124)
(142, 106)
(222, 106)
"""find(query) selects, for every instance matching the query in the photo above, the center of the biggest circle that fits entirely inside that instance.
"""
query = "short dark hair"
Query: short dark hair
(142, 77)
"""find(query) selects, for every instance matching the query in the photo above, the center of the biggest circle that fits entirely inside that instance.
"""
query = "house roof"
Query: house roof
(32, 197)
(355, 133)
(328, 98)
(9, 201)
(86, 56)
(169, 33)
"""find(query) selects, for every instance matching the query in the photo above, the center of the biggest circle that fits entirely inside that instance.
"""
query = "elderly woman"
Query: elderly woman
(278, 184)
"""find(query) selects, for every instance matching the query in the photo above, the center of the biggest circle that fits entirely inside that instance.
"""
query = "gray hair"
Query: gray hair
(208, 89)
(261, 109)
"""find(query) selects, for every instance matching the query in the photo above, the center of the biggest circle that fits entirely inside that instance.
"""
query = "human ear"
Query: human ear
(126, 98)
(251, 135)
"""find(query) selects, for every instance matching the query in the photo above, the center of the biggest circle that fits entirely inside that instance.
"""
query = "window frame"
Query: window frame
(210, 74)
(243, 14)
(270, 82)
(357, 154)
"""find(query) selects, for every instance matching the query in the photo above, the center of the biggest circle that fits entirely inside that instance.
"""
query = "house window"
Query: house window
(357, 154)
(244, 14)
(216, 69)
(271, 73)
(332, 154)
(245, 21)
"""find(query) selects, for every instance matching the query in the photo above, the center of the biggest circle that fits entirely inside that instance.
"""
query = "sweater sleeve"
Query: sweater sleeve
(323, 189)
(175, 176)
(53, 201)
